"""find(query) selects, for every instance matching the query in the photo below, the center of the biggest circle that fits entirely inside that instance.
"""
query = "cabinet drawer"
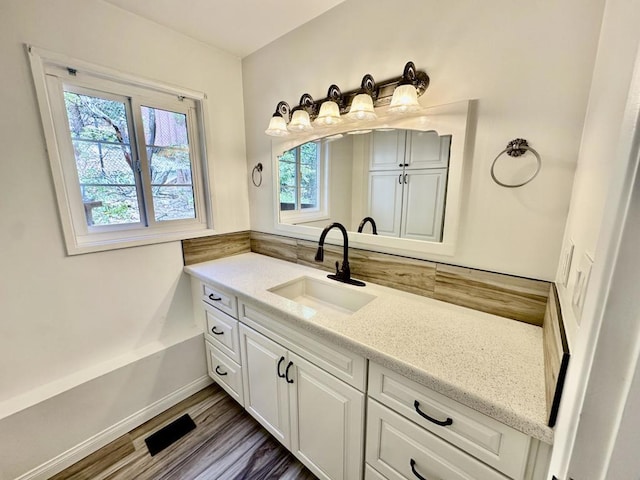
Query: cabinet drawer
(371, 474)
(222, 332)
(220, 299)
(401, 450)
(483, 437)
(226, 372)
(347, 366)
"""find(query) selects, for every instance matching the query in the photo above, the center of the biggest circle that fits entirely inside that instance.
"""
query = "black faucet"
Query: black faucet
(371, 221)
(342, 275)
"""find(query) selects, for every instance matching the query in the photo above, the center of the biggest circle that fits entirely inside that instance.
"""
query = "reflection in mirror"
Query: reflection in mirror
(404, 173)
(397, 178)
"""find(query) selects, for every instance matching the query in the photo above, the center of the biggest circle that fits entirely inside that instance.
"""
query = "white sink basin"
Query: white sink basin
(323, 295)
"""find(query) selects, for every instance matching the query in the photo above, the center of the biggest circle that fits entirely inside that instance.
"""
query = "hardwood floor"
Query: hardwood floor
(227, 444)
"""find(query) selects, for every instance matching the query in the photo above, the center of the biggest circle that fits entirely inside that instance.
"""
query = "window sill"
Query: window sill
(298, 217)
(91, 245)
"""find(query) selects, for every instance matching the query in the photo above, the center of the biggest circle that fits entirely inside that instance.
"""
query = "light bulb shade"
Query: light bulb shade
(362, 108)
(404, 100)
(277, 127)
(300, 122)
(329, 114)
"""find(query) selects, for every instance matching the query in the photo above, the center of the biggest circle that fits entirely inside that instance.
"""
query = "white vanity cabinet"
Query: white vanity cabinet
(219, 310)
(414, 432)
(316, 397)
(318, 417)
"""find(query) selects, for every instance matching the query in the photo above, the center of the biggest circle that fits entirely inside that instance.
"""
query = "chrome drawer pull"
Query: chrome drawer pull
(222, 374)
(214, 298)
(415, 472)
(447, 422)
(281, 375)
(215, 332)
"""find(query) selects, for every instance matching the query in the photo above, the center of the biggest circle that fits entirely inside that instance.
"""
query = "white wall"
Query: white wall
(604, 343)
(529, 66)
(60, 315)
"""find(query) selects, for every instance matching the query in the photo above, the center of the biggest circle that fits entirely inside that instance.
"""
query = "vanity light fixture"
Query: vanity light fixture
(401, 93)
(278, 123)
(362, 105)
(329, 114)
(405, 95)
(301, 116)
(300, 122)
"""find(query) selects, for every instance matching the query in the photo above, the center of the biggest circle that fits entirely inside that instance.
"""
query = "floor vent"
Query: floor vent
(169, 434)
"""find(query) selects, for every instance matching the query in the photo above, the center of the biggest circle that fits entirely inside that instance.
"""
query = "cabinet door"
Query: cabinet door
(327, 420)
(385, 201)
(387, 150)
(266, 395)
(427, 150)
(423, 204)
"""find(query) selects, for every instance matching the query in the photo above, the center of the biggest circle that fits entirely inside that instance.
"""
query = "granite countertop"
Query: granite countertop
(491, 364)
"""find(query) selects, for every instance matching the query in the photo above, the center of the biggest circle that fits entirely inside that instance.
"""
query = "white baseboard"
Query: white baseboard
(71, 456)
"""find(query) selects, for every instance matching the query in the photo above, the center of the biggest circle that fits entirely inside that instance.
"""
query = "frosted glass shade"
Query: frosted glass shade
(277, 127)
(362, 108)
(404, 100)
(329, 114)
(300, 122)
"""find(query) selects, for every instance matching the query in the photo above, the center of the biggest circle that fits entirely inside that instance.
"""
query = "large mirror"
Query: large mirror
(394, 182)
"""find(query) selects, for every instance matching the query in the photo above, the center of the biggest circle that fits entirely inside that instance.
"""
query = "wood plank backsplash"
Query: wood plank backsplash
(509, 296)
(556, 354)
(513, 297)
(203, 249)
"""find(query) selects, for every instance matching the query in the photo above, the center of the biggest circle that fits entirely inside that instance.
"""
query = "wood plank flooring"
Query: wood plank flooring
(227, 444)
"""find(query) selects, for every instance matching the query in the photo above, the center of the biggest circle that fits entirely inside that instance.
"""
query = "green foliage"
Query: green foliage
(105, 164)
(299, 176)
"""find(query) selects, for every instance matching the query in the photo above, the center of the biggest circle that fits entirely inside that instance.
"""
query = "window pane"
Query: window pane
(287, 198)
(100, 137)
(116, 204)
(169, 163)
(96, 118)
(308, 186)
(287, 174)
(308, 199)
(309, 153)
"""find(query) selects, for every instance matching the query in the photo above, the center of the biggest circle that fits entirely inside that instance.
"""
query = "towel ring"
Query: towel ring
(257, 168)
(516, 148)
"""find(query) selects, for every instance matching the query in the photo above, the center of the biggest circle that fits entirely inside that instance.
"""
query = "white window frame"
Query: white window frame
(51, 72)
(321, 212)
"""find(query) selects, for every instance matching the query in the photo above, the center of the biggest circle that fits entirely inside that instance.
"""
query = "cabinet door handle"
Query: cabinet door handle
(286, 372)
(448, 421)
(214, 298)
(281, 375)
(215, 332)
(222, 374)
(415, 472)
(400, 179)
(405, 178)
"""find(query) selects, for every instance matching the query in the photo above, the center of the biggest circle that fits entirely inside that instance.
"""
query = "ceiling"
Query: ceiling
(239, 27)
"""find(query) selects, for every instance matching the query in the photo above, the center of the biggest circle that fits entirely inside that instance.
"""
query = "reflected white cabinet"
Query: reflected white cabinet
(319, 418)
(408, 183)
(408, 204)
(385, 201)
(413, 149)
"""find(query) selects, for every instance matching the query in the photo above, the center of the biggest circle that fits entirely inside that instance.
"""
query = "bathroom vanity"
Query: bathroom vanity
(371, 382)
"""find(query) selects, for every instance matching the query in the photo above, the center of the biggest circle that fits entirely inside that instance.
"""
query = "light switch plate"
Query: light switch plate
(565, 267)
(583, 273)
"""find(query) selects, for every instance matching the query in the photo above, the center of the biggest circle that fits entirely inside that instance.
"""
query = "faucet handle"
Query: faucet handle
(337, 268)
